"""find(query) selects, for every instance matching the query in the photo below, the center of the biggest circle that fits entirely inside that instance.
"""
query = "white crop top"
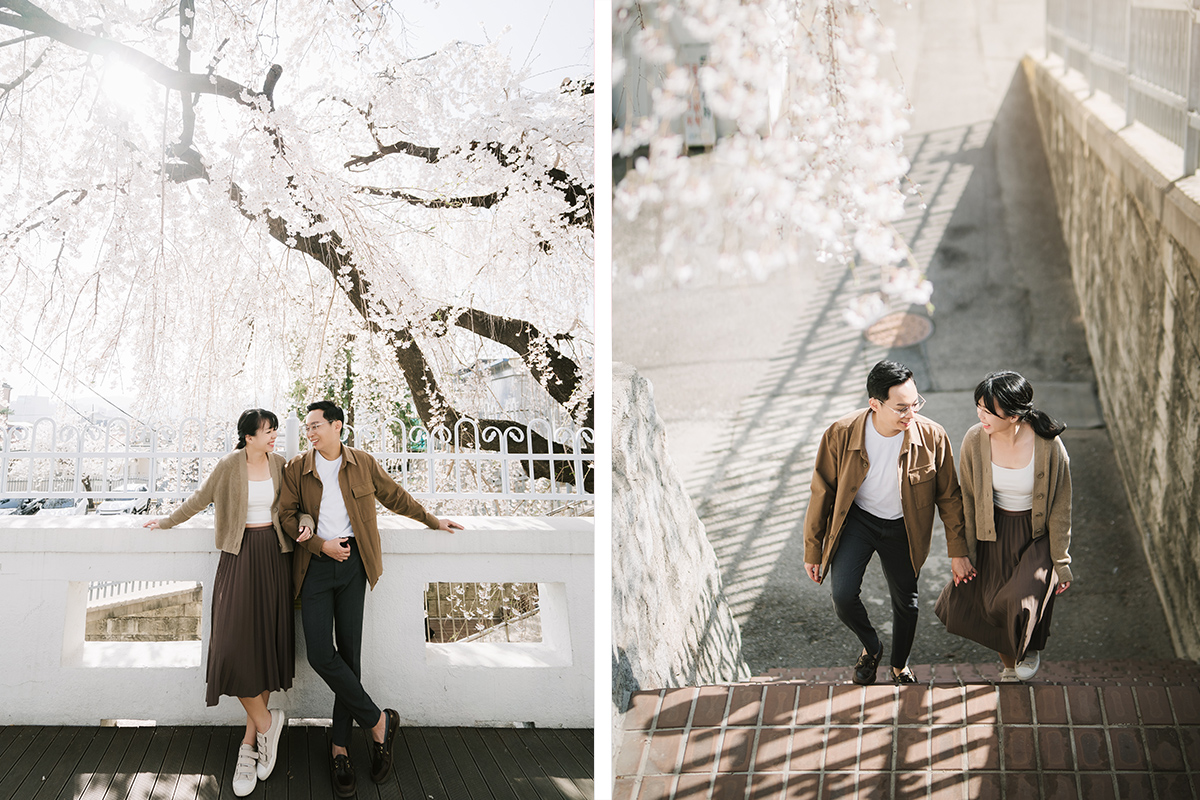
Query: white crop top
(258, 504)
(1012, 489)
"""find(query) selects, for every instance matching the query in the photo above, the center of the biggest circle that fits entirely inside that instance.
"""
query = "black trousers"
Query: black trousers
(332, 599)
(863, 535)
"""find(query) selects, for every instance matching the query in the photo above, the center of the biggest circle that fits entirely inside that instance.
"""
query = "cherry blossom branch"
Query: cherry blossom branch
(478, 201)
(30, 18)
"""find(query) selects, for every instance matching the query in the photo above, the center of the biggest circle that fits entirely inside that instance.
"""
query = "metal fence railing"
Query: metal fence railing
(1144, 54)
(126, 459)
(112, 591)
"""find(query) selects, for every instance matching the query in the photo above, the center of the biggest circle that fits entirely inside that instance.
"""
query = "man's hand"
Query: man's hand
(305, 534)
(814, 572)
(337, 549)
(448, 525)
(962, 568)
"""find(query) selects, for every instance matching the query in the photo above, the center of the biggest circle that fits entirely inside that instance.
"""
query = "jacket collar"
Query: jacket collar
(310, 458)
(858, 432)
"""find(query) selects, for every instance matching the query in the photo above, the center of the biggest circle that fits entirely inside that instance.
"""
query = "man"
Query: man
(878, 474)
(332, 570)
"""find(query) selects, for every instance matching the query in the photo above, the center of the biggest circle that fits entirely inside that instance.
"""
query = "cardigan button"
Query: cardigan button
(1041, 474)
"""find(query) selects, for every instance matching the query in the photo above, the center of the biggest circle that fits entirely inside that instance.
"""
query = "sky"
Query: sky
(554, 37)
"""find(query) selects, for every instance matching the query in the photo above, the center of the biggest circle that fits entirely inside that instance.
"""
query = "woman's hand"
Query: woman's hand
(305, 534)
(1062, 587)
(152, 524)
(962, 569)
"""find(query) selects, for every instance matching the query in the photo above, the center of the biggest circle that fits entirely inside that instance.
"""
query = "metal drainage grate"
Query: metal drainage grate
(899, 329)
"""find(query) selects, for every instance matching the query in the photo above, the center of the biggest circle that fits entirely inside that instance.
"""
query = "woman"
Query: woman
(251, 646)
(1016, 489)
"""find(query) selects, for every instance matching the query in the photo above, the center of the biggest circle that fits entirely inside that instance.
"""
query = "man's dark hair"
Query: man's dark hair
(884, 376)
(330, 411)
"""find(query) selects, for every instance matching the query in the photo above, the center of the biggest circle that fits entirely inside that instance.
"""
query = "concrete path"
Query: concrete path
(747, 377)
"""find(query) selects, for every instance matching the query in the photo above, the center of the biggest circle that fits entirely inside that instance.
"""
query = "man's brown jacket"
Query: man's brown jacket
(362, 481)
(926, 475)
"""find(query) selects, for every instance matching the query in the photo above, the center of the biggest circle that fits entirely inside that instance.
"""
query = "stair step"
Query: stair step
(1108, 672)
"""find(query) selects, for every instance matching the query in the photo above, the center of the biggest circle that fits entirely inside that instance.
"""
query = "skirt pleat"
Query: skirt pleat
(1008, 605)
(251, 648)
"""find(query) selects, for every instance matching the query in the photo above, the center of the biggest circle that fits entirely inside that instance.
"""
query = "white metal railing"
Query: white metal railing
(111, 591)
(1144, 54)
(124, 458)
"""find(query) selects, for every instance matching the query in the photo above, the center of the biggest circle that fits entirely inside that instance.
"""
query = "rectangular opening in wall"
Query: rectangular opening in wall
(143, 611)
(482, 613)
(133, 624)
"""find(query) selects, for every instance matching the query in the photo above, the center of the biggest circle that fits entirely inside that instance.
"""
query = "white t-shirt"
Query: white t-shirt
(1012, 489)
(880, 490)
(259, 501)
(332, 520)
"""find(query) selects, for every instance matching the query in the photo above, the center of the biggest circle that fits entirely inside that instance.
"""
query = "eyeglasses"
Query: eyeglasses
(313, 427)
(903, 410)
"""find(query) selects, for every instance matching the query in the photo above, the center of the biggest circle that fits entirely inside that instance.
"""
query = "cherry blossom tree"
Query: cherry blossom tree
(212, 198)
(761, 137)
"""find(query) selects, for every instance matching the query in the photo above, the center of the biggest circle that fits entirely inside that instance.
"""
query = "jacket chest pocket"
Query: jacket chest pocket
(921, 484)
(363, 492)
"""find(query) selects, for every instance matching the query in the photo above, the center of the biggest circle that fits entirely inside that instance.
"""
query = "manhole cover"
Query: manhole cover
(899, 329)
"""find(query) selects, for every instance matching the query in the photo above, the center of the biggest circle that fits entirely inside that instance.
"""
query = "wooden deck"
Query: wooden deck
(196, 763)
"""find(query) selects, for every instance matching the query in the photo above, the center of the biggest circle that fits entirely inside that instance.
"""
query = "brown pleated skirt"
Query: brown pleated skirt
(1007, 606)
(252, 647)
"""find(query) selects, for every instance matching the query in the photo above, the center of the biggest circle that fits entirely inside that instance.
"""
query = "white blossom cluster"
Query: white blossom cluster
(109, 267)
(806, 165)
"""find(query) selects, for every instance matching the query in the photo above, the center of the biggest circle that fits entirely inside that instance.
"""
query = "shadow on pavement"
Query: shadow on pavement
(986, 230)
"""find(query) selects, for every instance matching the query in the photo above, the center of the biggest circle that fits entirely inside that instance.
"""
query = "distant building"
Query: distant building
(27, 408)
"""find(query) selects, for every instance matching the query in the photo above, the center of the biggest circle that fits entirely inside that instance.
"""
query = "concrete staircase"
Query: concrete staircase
(1081, 729)
(169, 617)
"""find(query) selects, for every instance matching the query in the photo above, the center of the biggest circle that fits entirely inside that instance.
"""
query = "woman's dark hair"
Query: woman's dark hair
(251, 421)
(884, 376)
(1008, 394)
(331, 411)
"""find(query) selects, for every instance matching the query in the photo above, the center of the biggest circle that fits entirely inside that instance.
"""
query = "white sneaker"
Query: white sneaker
(268, 745)
(244, 775)
(1009, 675)
(1028, 666)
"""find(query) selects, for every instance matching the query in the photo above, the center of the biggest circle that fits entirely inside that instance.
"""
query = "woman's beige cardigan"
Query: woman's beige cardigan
(1051, 495)
(227, 488)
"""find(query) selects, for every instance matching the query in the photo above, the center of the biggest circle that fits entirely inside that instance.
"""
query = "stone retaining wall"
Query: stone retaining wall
(1134, 238)
(671, 623)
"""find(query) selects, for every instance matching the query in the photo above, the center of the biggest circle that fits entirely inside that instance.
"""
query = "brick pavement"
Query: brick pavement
(1084, 730)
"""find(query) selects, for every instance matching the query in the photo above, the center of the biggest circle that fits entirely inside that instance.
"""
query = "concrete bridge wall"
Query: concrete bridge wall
(1132, 225)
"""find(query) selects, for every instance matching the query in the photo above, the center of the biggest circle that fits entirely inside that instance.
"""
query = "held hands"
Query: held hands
(814, 572)
(963, 570)
(448, 525)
